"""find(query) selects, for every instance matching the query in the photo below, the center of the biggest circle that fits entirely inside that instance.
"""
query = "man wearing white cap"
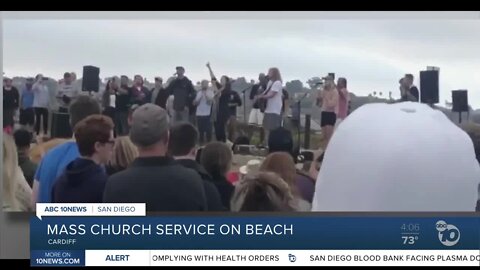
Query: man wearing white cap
(398, 157)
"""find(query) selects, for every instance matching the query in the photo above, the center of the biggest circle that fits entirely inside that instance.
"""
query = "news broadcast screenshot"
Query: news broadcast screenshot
(241, 138)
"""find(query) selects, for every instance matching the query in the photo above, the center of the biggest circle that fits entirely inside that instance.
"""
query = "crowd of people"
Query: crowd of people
(155, 146)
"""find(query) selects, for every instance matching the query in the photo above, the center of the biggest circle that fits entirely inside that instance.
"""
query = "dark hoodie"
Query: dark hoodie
(225, 189)
(82, 182)
(214, 201)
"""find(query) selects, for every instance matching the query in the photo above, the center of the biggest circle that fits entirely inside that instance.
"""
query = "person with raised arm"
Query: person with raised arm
(225, 102)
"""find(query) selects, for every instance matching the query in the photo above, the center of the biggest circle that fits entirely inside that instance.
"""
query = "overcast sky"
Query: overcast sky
(371, 54)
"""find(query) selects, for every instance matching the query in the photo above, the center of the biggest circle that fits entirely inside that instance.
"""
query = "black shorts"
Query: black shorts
(27, 117)
(328, 119)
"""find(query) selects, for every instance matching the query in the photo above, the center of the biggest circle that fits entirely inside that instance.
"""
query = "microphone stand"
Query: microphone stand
(299, 118)
(245, 104)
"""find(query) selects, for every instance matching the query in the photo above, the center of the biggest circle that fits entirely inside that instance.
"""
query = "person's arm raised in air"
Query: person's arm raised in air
(212, 76)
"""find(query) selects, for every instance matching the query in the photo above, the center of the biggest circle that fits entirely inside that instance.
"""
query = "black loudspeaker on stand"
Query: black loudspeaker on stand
(90, 80)
(460, 102)
(429, 88)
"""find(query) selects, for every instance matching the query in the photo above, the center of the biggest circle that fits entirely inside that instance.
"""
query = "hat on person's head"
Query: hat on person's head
(158, 79)
(398, 157)
(252, 166)
(180, 68)
(149, 124)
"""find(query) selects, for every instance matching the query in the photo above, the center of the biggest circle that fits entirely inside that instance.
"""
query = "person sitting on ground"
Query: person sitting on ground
(153, 177)
(56, 160)
(216, 159)
(282, 164)
(183, 148)
(264, 191)
(124, 153)
(367, 168)
(84, 178)
(22, 139)
(281, 140)
(240, 140)
(15, 190)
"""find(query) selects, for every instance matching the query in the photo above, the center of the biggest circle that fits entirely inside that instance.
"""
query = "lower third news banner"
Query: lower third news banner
(137, 240)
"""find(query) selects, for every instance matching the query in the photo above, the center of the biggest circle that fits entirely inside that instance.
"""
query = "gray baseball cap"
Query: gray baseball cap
(149, 124)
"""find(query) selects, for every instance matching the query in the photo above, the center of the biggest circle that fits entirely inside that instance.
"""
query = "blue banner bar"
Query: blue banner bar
(316, 233)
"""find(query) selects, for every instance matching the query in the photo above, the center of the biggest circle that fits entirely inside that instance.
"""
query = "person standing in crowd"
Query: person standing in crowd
(154, 178)
(140, 94)
(11, 100)
(226, 102)
(159, 94)
(183, 148)
(343, 100)
(56, 160)
(184, 93)
(67, 93)
(263, 192)
(382, 186)
(27, 113)
(282, 164)
(15, 192)
(273, 98)
(41, 103)
(216, 158)
(122, 104)
(23, 139)
(83, 180)
(109, 98)
(124, 153)
(255, 119)
(411, 93)
(204, 101)
(329, 100)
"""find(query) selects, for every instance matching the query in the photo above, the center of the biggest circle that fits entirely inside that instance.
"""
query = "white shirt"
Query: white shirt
(204, 108)
(274, 104)
(112, 100)
(41, 96)
(69, 90)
